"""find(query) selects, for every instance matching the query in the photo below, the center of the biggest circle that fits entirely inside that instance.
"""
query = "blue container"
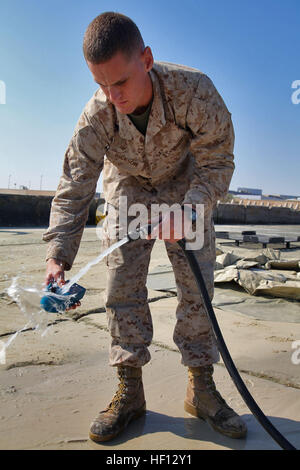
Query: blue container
(54, 301)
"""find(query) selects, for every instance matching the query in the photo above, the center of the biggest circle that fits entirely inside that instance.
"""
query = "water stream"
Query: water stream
(96, 260)
(28, 298)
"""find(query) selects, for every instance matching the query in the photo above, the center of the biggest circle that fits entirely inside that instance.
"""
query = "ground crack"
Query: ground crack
(9, 333)
(264, 376)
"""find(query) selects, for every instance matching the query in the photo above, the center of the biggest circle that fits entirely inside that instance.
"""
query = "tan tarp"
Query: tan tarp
(260, 273)
(292, 264)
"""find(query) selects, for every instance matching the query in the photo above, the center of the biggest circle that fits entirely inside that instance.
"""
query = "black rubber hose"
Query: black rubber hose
(233, 372)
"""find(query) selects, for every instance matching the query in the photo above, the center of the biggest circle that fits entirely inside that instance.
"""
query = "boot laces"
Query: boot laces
(211, 386)
(119, 395)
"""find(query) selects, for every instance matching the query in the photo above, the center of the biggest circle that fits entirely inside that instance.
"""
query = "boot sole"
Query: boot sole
(137, 414)
(196, 412)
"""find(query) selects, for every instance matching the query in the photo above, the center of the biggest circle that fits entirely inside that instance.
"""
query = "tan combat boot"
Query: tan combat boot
(127, 404)
(204, 401)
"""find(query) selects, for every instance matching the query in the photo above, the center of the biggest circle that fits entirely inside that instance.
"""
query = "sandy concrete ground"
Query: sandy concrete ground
(55, 380)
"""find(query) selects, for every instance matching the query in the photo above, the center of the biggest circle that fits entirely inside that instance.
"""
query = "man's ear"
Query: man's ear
(148, 58)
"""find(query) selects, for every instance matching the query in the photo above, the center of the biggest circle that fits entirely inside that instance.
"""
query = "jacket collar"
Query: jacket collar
(157, 119)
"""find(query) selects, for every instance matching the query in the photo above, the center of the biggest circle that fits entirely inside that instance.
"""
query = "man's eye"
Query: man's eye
(104, 87)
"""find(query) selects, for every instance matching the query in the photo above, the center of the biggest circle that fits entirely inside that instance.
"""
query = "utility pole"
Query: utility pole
(9, 181)
(41, 182)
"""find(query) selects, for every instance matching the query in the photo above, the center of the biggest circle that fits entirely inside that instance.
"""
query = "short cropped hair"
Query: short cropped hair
(108, 34)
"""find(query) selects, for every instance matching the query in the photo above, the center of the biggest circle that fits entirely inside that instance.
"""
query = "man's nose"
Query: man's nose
(114, 94)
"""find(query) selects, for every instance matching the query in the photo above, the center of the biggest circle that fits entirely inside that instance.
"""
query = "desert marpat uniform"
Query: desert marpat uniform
(186, 156)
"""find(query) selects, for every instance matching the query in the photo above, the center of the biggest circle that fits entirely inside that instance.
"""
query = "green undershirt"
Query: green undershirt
(141, 120)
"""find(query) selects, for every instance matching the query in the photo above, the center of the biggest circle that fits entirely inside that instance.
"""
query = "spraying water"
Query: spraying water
(28, 298)
(11, 339)
(28, 301)
(96, 260)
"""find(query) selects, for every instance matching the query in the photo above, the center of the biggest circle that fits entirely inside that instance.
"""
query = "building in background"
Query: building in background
(257, 194)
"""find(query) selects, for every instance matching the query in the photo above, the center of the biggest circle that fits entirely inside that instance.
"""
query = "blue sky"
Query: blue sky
(250, 49)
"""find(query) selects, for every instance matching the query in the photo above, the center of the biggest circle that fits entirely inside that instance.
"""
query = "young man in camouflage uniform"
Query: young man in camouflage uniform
(161, 133)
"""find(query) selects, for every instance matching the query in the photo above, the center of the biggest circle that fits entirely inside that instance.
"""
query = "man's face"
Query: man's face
(126, 82)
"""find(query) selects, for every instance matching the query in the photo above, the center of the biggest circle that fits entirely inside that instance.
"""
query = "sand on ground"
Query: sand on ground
(54, 381)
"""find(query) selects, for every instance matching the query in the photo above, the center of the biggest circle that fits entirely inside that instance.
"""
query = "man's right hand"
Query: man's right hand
(55, 272)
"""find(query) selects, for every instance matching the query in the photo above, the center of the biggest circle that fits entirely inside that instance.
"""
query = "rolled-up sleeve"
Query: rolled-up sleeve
(83, 162)
(212, 145)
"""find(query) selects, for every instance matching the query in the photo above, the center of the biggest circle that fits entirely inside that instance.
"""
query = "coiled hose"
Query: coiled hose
(233, 372)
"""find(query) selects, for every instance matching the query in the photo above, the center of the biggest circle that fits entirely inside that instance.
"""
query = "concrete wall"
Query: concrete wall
(32, 211)
(26, 210)
(27, 192)
(240, 214)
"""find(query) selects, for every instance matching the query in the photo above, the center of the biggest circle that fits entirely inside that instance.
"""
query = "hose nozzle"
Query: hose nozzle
(142, 232)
